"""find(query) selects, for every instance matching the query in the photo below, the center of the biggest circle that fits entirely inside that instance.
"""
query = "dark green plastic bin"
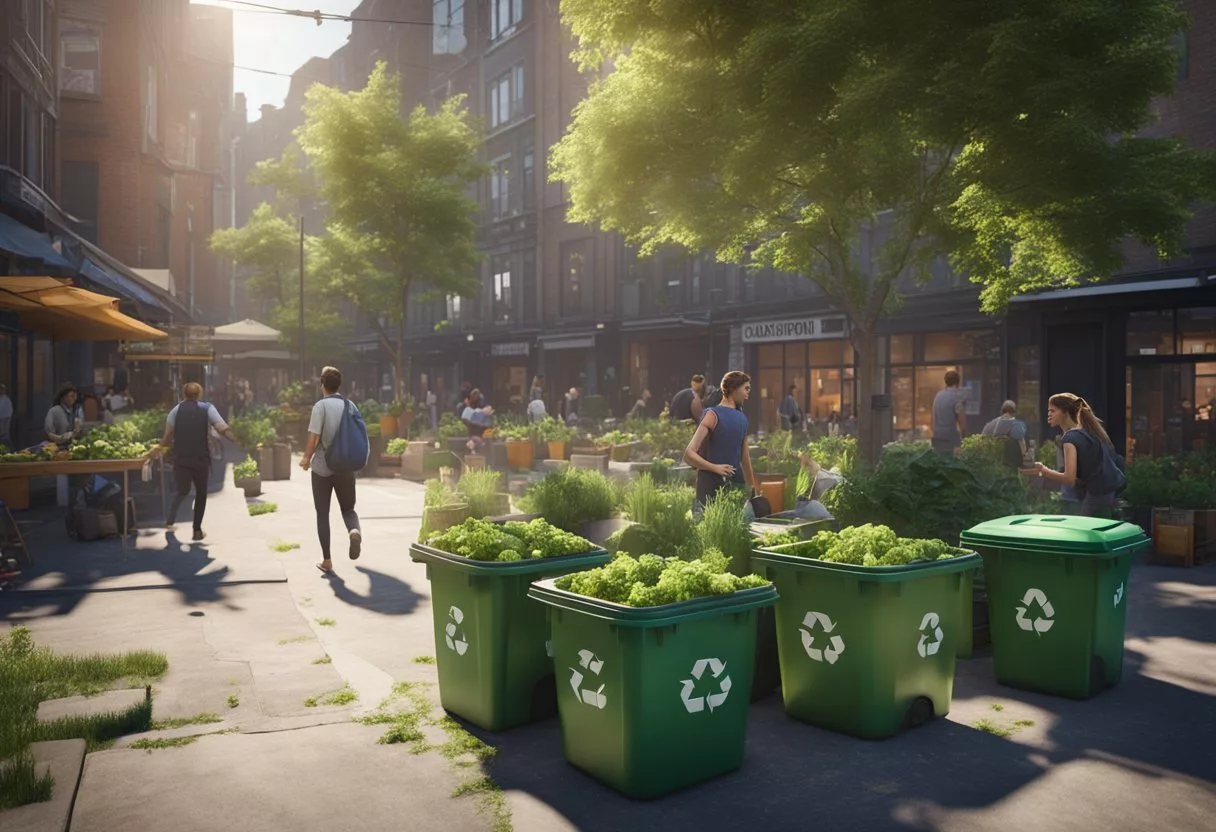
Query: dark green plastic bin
(491, 642)
(653, 699)
(1057, 596)
(866, 650)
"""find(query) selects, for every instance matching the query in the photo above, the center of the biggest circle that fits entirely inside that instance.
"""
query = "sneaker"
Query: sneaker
(199, 534)
(356, 543)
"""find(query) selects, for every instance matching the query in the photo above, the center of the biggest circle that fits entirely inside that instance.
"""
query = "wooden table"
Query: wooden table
(69, 467)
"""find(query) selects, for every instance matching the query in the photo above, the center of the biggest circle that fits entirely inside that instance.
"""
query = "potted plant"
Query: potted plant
(520, 450)
(557, 437)
(247, 477)
(404, 410)
(481, 489)
(442, 508)
(620, 444)
(393, 451)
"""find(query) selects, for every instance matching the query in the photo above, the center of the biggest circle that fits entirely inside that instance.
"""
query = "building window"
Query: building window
(1150, 333)
(454, 308)
(1197, 331)
(448, 18)
(507, 97)
(150, 106)
(501, 280)
(500, 187)
(79, 59)
(80, 192)
(193, 127)
(529, 180)
(505, 15)
(574, 278)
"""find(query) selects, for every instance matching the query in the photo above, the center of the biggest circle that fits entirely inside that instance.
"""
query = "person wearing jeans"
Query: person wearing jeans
(322, 428)
(188, 430)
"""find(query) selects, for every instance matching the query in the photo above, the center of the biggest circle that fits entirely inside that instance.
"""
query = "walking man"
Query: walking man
(327, 416)
(948, 416)
(687, 405)
(188, 430)
(789, 411)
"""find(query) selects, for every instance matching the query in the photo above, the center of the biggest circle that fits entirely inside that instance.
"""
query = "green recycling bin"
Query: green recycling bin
(1057, 599)
(492, 643)
(653, 699)
(866, 650)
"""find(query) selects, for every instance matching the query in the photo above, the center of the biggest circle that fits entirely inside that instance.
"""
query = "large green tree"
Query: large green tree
(401, 220)
(1000, 135)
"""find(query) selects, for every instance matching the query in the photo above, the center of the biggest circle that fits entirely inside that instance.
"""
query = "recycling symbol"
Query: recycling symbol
(1119, 594)
(455, 636)
(930, 625)
(696, 704)
(835, 645)
(1045, 622)
(588, 661)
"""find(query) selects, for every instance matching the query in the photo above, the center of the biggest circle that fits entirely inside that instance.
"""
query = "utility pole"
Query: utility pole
(303, 371)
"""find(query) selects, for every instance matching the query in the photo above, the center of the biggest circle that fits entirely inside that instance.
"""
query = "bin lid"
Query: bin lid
(1056, 533)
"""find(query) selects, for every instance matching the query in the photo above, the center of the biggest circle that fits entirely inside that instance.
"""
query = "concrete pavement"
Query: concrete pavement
(1140, 756)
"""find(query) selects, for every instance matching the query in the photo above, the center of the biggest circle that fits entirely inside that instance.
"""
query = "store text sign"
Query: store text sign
(793, 329)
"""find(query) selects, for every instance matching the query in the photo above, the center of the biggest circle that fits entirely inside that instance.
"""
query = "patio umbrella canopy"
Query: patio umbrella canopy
(54, 307)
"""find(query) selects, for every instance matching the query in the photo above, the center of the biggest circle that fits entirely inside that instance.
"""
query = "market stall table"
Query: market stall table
(70, 467)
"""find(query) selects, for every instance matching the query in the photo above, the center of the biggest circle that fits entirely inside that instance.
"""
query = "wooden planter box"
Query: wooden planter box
(1184, 535)
(474, 462)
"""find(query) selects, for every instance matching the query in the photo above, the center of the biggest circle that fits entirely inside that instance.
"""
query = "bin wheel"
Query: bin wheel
(919, 712)
(1097, 675)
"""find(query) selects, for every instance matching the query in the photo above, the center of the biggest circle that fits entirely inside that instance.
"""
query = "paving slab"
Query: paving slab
(107, 702)
(64, 759)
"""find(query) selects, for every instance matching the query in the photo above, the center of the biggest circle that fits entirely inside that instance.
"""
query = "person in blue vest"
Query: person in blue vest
(327, 415)
(718, 449)
(188, 432)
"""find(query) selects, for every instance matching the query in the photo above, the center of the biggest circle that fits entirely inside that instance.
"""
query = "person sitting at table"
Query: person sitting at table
(65, 420)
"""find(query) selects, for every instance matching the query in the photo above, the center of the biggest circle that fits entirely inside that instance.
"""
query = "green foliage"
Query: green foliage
(570, 497)
(258, 509)
(982, 449)
(1047, 454)
(724, 527)
(439, 494)
(779, 538)
(513, 431)
(255, 429)
(553, 430)
(650, 581)
(661, 470)
(481, 540)
(1181, 482)
(95, 446)
(246, 469)
(371, 410)
(835, 453)
(452, 428)
(928, 495)
(482, 490)
(616, 437)
(664, 438)
(396, 446)
(664, 515)
(344, 695)
(870, 545)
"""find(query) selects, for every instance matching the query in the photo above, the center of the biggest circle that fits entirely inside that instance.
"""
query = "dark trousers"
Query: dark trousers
(322, 490)
(191, 474)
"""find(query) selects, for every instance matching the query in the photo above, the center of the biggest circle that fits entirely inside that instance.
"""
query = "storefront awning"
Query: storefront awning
(246, 330)
(19, 239)
(567, 342)
(124, 286)
(1113, 289)
(54, 307)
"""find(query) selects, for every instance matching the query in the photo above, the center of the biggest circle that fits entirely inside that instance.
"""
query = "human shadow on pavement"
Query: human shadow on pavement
(386, 595)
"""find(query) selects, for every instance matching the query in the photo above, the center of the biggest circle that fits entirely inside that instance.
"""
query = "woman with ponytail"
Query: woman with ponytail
(1089, 474)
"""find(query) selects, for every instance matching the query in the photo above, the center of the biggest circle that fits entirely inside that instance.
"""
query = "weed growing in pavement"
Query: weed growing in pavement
(256, 509)
(181, 722)
(323, 660)
(164, 742)
(326, 622)
(284, 546)
(997, 706)
(424, 659)
(294, 640)
(1024, 723)
(29, 675)
(990, 727)
(342, 696)
(233, 700)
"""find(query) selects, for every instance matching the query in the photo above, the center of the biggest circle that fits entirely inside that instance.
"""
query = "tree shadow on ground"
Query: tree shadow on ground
(386, 595)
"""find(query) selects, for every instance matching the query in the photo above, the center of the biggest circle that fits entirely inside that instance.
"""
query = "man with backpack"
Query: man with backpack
(188, 431)
(337, 428)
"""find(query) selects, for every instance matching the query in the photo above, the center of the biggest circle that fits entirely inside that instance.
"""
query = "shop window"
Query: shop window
(957, 346)
(771, 355)
(826, 395)
(901, 349)
(929, 382)
(1197, 331)
(829, 353)
(1028, 388)
(1151, 332)
(795, 355)
(902, 401)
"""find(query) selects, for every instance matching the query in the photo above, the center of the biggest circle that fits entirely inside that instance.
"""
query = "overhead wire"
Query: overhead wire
(320, 16)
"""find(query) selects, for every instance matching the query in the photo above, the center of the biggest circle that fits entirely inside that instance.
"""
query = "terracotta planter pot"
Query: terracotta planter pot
(388, 426)
(520, 454)
(557, 449)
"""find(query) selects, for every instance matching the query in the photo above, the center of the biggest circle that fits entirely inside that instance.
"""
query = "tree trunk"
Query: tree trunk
(865, 341)
(399, 369)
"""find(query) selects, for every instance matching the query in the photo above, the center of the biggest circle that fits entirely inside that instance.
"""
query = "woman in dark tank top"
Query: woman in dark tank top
(718, 449)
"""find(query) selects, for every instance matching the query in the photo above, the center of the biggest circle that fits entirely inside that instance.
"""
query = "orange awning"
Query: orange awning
(54, 307)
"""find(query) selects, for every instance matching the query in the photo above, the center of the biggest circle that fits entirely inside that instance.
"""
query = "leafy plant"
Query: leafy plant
(371, 411)
(513, 431)
(484, 541)
(373, 430)
(439, 494)
(292, 393)
(870, 545)
(256, 509)
(452, 428)
(246, 469)
(396, 447)
(1047, 454)
(835, 453)
(651, 581)
(570, 497)
(616, 437)
(723, 527)
(254, 430)
(481, 489)
(553, 430)
(663, 513)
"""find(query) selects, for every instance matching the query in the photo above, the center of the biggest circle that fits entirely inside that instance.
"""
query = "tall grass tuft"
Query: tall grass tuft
(481, 489)
(723, 527)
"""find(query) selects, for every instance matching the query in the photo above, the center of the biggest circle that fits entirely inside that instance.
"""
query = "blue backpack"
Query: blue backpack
(349, 451)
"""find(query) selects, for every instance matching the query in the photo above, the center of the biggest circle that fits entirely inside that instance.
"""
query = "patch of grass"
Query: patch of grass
(461, 743)
(326, 622)
(424, 659)
(164, 742)
(256, 509)
(323, 660)
(1024, 723)
(990, 727)
(206, 718)
(404, 723)
(284, 546)
(997, 706)
(233, 700)
(30, 674)
(294, 640)
(490, 798)
(342, 696)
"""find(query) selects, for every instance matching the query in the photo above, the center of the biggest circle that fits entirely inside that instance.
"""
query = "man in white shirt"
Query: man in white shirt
(322, 428)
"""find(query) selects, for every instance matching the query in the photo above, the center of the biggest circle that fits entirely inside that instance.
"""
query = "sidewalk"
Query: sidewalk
(1141, 756)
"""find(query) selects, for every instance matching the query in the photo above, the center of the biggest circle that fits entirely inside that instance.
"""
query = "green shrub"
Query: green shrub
(723, 527)
(650, 581)
(439, 494)
(553, 430)
(665, 514)
(484, 541)
(396, 446)
(245, 470)
(664, 438)
(480, 489)
(835, 453)
(616, 437)
(570, 497)
(870, 545)
(451, 427)
(255, 429)
(371, 410)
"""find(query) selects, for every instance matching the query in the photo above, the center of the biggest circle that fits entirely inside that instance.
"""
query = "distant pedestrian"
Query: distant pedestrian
(687, 405)
(641, 406)
(188, 432)
(833, 424)
(949, 419)
(466, 387)
(1013, 429)
(478, 417)
(789, 411)
(570, 406)
(538, 388)
(328, 414)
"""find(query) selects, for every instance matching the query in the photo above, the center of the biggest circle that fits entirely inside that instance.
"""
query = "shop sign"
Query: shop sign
(793, 329)
(518, 348)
